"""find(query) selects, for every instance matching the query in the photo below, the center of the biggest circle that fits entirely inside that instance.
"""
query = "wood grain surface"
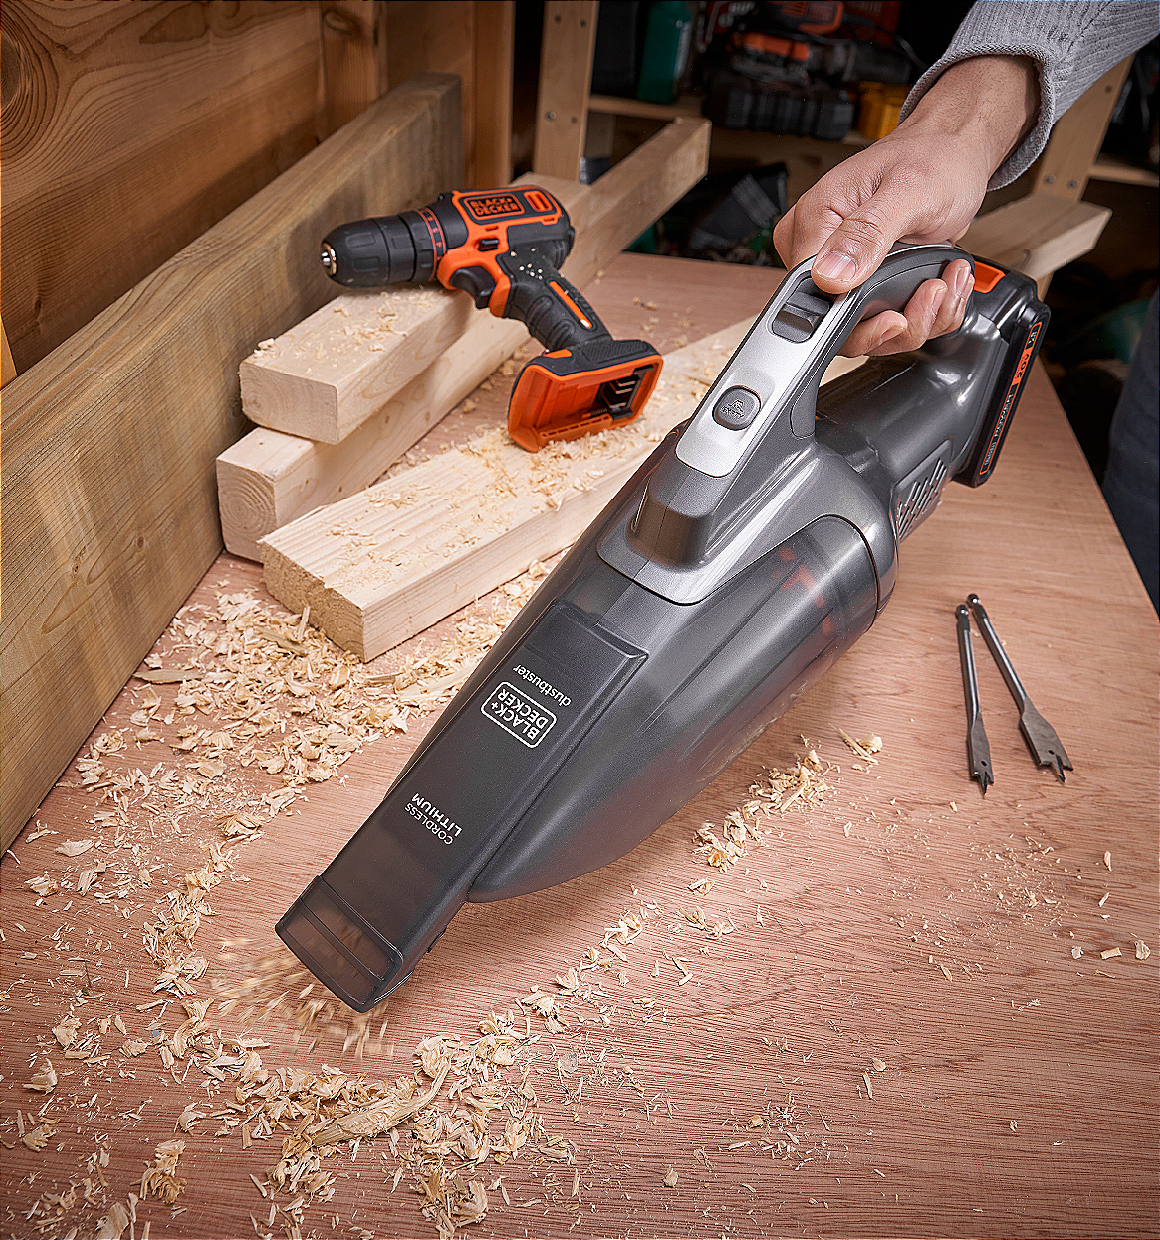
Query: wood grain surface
(108, 484)
(885, 1031)
(129, 129)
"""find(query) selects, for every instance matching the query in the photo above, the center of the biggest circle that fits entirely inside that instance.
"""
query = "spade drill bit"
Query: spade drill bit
(1041, 738)
(978, 751)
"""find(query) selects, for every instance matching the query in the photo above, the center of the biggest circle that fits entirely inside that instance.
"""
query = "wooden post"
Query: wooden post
(109, 502)
(437, 38)
(354, 57)
(495, 33)
(1075, 141)
(565, 78)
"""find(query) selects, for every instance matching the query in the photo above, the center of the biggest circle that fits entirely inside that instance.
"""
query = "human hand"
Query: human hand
(923, 182)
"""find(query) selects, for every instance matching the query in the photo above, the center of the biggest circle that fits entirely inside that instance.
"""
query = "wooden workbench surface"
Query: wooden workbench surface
(887, 981)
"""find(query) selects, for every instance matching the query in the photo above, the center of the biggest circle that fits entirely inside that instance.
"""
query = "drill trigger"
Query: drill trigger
(478, 282)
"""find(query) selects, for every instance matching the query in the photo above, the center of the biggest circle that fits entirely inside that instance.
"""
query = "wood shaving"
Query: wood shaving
(864, 749)
(113, 1224)
(1112, 951)
(1142, 950)
(43, 1079)
(160, 1176)
(74, 848)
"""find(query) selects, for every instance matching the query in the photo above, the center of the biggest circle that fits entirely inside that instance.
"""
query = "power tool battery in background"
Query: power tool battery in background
(797, 68)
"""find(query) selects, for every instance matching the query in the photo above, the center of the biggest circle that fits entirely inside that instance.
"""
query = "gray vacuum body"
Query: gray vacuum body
(756, 544)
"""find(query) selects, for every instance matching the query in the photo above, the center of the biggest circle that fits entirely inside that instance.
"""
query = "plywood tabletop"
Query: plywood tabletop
(874, 1022)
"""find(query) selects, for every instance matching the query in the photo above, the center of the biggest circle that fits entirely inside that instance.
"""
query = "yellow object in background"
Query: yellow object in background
(878, 108)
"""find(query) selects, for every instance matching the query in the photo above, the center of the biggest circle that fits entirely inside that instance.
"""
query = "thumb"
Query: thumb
(856, 248)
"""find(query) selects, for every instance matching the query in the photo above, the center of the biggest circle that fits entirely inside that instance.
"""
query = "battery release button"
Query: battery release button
(736, 408)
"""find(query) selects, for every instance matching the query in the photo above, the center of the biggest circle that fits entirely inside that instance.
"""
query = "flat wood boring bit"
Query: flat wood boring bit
(1045, 746)
(978, 750)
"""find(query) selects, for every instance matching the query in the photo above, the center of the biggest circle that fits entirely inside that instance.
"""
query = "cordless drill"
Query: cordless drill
(505, 248)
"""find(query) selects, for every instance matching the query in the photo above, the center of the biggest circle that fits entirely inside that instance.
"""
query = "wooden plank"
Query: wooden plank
(495, 35)
(629, 197)
(1109, 168)
(1037, 234)
(383, 565)
(338, 367)
(131, 128)
(614, 105)
(354, 48)
(565, 76)
(269, 478)
(7, 366)
(108, 488)
(1065, 165)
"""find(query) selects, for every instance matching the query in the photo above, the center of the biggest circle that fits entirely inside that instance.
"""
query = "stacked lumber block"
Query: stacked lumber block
(110, 508)
(383, 565)
(346, 393)
(1037, 234)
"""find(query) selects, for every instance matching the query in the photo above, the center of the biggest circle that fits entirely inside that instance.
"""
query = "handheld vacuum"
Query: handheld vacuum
(751, 549)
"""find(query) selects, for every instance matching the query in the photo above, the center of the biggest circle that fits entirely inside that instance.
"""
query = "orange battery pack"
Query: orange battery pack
(579, 391)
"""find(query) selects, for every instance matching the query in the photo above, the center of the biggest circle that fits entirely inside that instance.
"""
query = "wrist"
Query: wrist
(985, 106)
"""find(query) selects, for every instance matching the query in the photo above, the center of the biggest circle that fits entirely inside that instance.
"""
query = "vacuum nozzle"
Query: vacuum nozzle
(340, 948)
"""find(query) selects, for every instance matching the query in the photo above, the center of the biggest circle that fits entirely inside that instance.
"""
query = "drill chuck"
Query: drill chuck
(376, 252)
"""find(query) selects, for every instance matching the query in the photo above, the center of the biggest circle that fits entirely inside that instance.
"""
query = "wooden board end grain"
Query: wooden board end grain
(271, 477)
(326, 376)
(108, 487)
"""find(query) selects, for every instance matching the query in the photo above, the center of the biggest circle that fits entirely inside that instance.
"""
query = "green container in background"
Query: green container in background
(666, 51)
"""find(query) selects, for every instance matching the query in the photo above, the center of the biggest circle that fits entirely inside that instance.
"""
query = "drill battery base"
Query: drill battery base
(579, 391)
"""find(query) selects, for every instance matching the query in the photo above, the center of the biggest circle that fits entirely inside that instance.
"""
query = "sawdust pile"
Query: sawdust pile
(802, 787)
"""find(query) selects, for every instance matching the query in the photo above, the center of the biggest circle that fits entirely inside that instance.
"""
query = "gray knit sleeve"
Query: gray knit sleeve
(1073, 41)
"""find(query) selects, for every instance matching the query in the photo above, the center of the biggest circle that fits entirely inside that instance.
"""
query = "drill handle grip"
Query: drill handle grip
(554, 311)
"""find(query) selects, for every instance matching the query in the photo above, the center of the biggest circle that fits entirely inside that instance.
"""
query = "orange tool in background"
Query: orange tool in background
(505, 247)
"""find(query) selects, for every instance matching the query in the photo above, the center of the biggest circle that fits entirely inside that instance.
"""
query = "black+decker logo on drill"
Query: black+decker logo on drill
(494, 206)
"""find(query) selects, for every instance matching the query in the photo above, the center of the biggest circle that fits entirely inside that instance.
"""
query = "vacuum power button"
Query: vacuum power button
(736, 408)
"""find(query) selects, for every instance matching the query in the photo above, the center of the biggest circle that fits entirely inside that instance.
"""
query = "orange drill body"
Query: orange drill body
(505, 247)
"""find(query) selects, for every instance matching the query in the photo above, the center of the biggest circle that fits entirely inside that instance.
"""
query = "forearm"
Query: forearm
(1069, 42)
(982, 108)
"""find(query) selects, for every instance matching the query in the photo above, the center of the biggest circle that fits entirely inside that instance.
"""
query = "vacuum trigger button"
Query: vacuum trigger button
(736, 408)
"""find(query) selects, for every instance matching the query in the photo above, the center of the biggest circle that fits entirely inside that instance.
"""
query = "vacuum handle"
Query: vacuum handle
(778, 368)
